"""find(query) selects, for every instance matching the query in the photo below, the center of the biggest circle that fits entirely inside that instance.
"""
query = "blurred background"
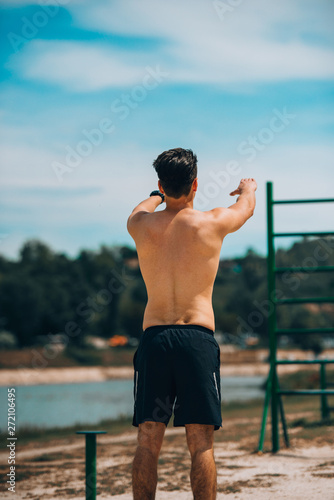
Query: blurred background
(91, 93)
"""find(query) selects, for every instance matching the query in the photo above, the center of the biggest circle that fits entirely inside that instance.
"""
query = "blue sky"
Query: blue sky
(92, 92)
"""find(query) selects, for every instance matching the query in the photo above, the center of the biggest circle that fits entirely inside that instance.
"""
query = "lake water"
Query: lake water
(62, 405)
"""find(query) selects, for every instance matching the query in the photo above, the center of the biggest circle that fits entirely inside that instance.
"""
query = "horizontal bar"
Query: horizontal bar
(91, 432)
(304, 362)
(318, 269)
(305, 300)
(288, 331)
(321, 200)
(307, 392)
(312, 233)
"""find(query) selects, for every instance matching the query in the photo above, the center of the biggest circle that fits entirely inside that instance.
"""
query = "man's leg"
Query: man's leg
(145, 463)
(203, 474)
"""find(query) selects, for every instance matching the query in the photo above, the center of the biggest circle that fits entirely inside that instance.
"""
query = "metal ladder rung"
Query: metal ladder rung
(292, 331)
(306, 392)
(321, 200)
(318, 269)
(310, 233)
(305, 300)
(304, 362)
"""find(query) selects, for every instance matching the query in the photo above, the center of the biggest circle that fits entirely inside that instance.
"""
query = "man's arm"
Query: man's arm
(232, 218)
(145, 207)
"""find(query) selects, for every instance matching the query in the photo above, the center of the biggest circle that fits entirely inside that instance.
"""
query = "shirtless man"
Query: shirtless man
(177, 363)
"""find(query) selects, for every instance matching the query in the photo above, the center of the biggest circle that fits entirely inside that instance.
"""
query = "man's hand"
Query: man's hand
(244, 185)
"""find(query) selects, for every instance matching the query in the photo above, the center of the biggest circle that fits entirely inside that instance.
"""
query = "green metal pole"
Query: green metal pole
(284, 425)
(272, 318)
(90, 466)
(323, 385)
(91, 462)
(265, 413)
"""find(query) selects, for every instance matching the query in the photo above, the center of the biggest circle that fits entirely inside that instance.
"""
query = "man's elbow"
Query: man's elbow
(251, 210)
(247, 215)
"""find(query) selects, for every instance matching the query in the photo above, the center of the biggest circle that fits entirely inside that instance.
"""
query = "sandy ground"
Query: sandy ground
(55, 470)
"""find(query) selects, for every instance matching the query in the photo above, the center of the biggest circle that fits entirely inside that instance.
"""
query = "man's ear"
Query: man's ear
(161, 188)
(195, 185)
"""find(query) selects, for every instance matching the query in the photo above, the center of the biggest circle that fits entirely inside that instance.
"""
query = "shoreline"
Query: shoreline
(234, 363)
(75, 375)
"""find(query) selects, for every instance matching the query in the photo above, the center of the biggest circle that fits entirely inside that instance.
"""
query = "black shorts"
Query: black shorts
(177, 369)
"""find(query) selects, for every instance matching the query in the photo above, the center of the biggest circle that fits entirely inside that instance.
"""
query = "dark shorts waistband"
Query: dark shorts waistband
(162, 328)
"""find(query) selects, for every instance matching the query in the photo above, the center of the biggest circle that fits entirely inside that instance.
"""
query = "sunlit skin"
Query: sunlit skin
(178, 251)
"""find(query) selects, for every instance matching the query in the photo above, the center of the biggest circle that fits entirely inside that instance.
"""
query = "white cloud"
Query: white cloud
(250, 45)
(246, 46)
(77, 66)
(199, 22)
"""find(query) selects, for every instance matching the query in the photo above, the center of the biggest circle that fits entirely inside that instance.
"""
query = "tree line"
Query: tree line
(101, 293)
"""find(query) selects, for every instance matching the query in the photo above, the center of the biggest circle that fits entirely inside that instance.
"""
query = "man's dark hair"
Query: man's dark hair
(177, 170)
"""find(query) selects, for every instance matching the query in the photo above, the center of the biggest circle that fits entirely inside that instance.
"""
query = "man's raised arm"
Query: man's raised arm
(235, 216)
(145, 207)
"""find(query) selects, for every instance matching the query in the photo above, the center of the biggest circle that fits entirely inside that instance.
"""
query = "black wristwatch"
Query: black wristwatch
(157, 193)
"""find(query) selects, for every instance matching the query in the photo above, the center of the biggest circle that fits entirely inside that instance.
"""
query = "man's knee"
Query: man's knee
(150, 436)
(199, 438)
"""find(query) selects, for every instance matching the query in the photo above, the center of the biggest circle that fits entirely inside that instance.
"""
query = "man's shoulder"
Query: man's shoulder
(209, 216)
(219, 220)
(216, 213)
(136, 221)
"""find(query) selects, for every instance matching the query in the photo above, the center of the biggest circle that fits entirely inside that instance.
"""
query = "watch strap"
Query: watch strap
(157, 193)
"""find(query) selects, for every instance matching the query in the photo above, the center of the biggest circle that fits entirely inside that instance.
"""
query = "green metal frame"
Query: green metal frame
(273, 392)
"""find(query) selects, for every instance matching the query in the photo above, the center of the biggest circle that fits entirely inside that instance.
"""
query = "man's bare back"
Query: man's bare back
(179, 249)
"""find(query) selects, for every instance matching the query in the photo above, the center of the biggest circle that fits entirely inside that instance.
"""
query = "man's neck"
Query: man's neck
(175, 205)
